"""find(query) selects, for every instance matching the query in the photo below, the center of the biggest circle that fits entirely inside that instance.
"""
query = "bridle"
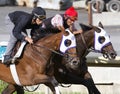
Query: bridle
(44, 47)
(92, 49)
(84, 42)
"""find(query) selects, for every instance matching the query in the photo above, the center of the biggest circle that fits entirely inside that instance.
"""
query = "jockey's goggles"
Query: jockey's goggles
(41, 17)
(72, 18)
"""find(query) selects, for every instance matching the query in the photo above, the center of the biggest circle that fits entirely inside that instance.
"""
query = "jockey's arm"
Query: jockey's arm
(74, 30)
(61, 28)
(28, 39)
(57, 21)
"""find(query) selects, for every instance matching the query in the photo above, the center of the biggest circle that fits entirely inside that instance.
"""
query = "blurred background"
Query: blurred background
(104, 5)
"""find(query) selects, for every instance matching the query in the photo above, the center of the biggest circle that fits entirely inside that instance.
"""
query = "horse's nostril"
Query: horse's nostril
(113, 55)
(74, 62)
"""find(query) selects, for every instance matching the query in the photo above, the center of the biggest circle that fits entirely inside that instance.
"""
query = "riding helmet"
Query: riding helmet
(39, 12)
(71, 13)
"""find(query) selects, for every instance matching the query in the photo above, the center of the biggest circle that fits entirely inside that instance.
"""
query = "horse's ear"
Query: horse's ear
(100, 25)
(85, 27)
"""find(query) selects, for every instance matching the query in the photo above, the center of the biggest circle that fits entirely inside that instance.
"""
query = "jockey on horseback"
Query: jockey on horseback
(17, 23)
(59, 22)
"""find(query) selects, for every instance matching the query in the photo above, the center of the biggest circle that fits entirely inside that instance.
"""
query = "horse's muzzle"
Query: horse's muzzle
(73, 64)
(108, 55)
(113, 55)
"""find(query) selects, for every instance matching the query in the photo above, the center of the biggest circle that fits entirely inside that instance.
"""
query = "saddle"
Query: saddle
(3, 46)
(16, 52)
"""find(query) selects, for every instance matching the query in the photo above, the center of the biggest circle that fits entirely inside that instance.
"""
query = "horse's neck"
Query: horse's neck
(49, 43)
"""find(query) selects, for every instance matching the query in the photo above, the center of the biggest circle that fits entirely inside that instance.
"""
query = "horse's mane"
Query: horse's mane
(41, 33)
(85, 27)
(89, 27)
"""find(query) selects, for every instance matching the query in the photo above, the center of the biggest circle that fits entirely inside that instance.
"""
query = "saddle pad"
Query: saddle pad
(2, 51)
(3, 46)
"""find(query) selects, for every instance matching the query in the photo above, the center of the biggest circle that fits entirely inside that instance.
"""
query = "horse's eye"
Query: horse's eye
(101, 39)
(67, 42)
(66, 33)
(66, 55)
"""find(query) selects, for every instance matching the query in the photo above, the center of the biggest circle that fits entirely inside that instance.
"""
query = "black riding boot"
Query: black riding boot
(7, 59)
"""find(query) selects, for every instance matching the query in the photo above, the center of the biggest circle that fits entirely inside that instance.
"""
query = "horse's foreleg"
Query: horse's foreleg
(91, 86)
(10, 89)
(19, 89)
(53, 86)
(44, 79)
(89, 83)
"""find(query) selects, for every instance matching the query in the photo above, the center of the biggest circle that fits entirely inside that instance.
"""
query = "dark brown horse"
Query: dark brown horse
(34, 67)
(93, 39)
(75, 72)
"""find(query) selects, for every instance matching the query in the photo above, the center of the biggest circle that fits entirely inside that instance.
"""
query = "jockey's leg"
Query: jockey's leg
(9, 50)
(11, 42)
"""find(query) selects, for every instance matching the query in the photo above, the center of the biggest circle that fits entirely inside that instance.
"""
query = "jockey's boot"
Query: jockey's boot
(7, 60)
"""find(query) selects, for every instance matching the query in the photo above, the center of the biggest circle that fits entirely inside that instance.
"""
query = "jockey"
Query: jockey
(58, 22)
(17, 23)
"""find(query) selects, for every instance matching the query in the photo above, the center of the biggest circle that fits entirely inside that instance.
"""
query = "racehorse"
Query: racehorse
(33, 67)
(92, 39)
(75, 72)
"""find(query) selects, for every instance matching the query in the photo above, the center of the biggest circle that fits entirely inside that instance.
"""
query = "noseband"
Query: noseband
(44, 47)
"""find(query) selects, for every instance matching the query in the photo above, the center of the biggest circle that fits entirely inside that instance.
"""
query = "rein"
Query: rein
(48, 49)
(88, 49)
(66, 86)
(27, 88)
(83, 39)
(52, 50)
